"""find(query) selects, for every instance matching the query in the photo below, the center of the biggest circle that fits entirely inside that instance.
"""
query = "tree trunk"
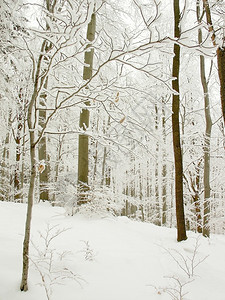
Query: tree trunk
(31, 121)
(42, 146)
(17, 177)
(42, 149)
(195, 189)
(164, 170)
(206, 216)
(57, 164)
(181, 230)
(221, 71)
(105, 177)
(157, 203)
(206, 227)
(22, 174)
(104, 165)
(220, 56)
(5, 168)
(39, 81)
(95, 156)
(24, 284)
(83, 144)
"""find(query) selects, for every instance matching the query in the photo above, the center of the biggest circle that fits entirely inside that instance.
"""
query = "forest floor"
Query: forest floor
(85, 257)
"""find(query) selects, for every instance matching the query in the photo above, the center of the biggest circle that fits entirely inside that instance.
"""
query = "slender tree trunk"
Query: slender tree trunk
(208, 120)
(206, 226)
(104, 165)
(195, 189)
(23, 159)
(220, 56)
(26, 243)
(105, 176)
(5, 169)
(141, 208)
(157, 203)
(5, 176)
(58, 160)
(164, 170)
(181, 230)
(39, 81)
(95, 179)
(42, 146)
(17, 177)
(221, 71)
(95, 156)
(31, 121)
(83, 144)
(42, 149)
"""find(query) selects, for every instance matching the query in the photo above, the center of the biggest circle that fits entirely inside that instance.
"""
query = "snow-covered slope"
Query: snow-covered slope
(106, 258)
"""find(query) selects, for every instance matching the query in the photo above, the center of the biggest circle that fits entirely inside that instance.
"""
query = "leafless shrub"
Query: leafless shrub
(187, 264)
(50, 264)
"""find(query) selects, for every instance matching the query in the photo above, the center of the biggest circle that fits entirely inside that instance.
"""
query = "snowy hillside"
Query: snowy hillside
(107, 258)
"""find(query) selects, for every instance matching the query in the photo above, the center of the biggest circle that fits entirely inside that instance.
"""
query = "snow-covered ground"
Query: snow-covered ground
(108, 258)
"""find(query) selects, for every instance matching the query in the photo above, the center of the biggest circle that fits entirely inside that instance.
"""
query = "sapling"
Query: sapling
(176, 291)
(187, 264)
(89, 253)
(50, 264)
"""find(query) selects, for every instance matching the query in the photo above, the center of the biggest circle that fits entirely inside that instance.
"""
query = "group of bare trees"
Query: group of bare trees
(96, 93)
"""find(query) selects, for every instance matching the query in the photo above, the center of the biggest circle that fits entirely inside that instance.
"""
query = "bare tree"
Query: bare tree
(181, 230)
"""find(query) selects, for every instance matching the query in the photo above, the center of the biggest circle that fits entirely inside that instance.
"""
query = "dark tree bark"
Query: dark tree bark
(181, 230)
(221, 71)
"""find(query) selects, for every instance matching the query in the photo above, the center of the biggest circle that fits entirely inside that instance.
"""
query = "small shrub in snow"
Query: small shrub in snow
(50, 264)
(177, 289)
(89, 253)
(187, 264)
